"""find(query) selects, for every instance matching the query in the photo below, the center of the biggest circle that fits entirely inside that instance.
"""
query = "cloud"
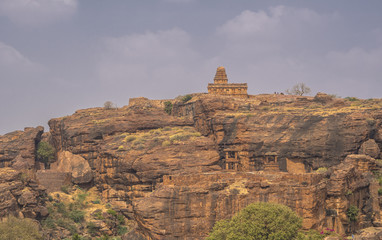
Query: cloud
(14, 66)
(179, 1)
(153, 63)
(270, 49)
(274, 49)
(37, 12)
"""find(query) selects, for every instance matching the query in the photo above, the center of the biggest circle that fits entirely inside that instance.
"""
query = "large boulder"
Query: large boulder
(18, 148)
(74, 164)
(370, 147)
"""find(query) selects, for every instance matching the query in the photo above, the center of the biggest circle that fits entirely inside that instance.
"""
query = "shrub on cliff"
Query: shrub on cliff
(168, 107)
(45, 152)
(352, 213)
(186, 98)
(259, 221)
(14, 228)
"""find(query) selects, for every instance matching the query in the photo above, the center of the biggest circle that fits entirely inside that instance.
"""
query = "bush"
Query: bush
(92, 228)
(45, 152)
(129, 138)
(352, 99)
(166, 143)
(121, 230)
(121, 219)
(259, 221)
(76, 237)
(352, 213)
(49, 223)
(186, 98)
(322, 170)
(65, 189)
(112, 212)
(16, 228)
(168, 107)
(77, 216)
(380, 191)
(108, 105)
(180, 137)
(61, 208)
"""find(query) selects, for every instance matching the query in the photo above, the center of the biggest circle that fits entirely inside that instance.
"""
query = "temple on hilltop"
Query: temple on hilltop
(222, 87)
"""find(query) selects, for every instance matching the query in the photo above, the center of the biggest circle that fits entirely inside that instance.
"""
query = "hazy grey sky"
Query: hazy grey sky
(57, 56)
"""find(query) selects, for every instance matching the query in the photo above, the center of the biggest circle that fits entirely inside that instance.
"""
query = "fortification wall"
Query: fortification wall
(53, 180)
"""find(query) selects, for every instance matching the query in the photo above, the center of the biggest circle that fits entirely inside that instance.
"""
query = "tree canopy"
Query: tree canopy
(45, 152)
(259, 221)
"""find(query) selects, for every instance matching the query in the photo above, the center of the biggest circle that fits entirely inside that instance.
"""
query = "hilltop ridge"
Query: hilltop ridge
(176, 174)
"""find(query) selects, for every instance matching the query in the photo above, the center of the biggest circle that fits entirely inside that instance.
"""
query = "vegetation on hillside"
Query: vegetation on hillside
(168, 107)
(145, 140)
(263, 221)
(259, 221)
(82, 215)
(13, 228)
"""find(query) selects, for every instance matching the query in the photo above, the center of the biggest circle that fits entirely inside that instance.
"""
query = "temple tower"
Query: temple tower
(220, 76)
(222, 87)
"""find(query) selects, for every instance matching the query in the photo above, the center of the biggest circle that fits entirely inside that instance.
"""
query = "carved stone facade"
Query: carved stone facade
(222, 87)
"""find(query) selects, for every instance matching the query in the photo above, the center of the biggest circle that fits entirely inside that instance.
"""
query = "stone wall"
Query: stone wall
(53, 180)
(231, 89)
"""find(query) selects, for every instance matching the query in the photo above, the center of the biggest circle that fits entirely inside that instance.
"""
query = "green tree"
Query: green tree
(19, 229)
(259, 221)
(352, 213)
(45, 152)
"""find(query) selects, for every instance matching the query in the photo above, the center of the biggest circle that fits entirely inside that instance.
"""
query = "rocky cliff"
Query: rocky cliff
(176, 174)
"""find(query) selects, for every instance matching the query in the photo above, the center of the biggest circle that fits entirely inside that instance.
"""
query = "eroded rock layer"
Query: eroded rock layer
(176, 175)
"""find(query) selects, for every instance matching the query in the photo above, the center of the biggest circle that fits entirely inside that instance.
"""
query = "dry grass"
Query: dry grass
(144, 140)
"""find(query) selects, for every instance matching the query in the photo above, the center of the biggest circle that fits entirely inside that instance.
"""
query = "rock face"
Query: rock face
(166, 172)
(189, 205)
(372, 233)
(17, 149)
(76, 165)
(370, 147)
(170, 174)
(20, 196)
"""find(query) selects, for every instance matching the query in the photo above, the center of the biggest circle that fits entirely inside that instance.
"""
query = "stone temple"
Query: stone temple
(222, 87)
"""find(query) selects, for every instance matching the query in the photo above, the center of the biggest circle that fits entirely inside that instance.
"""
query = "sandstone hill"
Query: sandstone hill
(174, 175)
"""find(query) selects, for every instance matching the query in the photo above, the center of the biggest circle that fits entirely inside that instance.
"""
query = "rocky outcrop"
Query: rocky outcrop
(76, 165)
(190, 205)
(17, 149)
(167, 172)
(371, 233)
(316, 135)
(20, 195)
(370, 147)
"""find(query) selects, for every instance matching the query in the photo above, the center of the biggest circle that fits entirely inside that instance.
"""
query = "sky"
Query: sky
(58, 56)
